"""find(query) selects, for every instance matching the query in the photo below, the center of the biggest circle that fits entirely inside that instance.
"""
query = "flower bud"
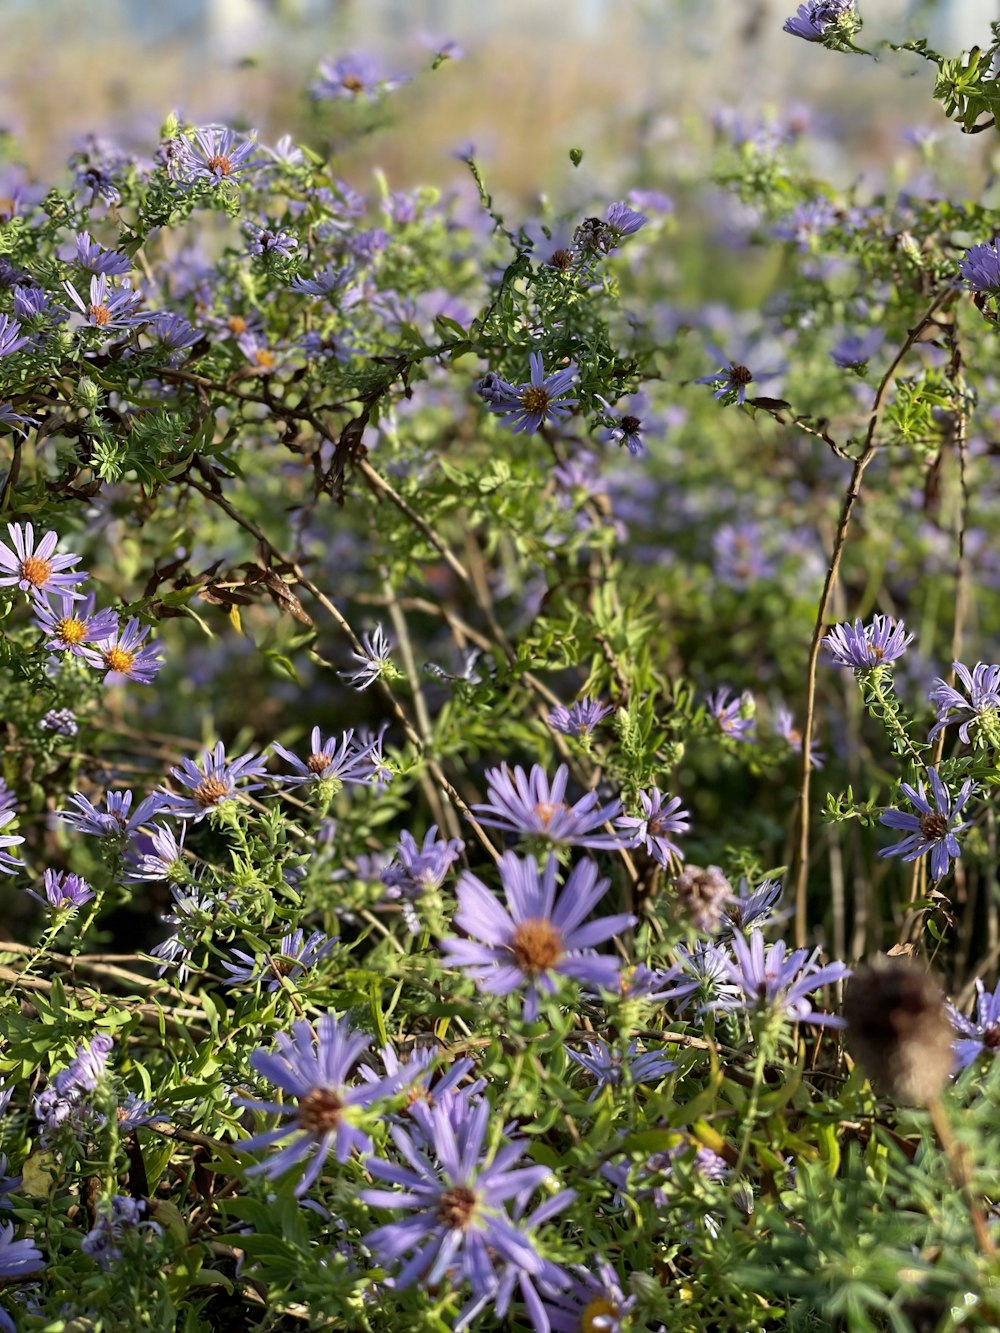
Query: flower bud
(88, 394)
(898, 1029)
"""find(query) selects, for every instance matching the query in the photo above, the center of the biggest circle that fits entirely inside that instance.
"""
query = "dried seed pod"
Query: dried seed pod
(898, 1029)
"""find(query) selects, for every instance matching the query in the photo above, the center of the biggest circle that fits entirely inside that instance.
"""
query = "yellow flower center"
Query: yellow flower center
(599, 1306)
(71, 630)
(117, 659)
(535, 399)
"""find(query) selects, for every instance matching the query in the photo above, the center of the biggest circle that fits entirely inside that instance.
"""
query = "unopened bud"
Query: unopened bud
(88, 394)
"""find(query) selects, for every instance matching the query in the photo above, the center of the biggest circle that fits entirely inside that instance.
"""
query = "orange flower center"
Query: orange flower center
(117, 659)
(36, 570)
(352, 83)
(220, 162)
(317, 762)
(100, 314)
(71, 630)
(237, 324)
(537, 945)
(547, 811)
(264, 358)
(210, 792)
(319, 1111)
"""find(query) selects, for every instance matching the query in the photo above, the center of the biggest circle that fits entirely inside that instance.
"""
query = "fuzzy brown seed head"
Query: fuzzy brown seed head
(898, 1029)
(933, 826)
(210, 792)
(319, 1111)
(561, 259)
(317, 762)
(740, 375)
(702, 895)
(457, 1207)
(537, 945)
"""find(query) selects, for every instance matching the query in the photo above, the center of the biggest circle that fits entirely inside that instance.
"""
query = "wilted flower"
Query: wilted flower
(419, 869)
(933, 829)
(64, 1098)
(702, 895)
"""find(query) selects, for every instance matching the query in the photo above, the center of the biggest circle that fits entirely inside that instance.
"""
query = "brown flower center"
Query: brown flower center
(319, 1111)
(535, 398)
(352, 83)
(117, 659)
(317, 762)
(630, 425)
(220, 162)
(537, 945)
(457, 1207)
(562, 259)
(933, 826)
(210, 792)
(991, 1037)
(36, 570)
(71, 630)
(739, 375)
(100, 314)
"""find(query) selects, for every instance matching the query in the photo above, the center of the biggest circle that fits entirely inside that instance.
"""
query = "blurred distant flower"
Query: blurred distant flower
(580, 718)
(739, 556)
(9, 864)
(701, 895)
(819, 19)
(96, 258)
(855, 349)
(11, 339)
(624, 428)
(933, 829)
(374, 658)
(173, 331)
(525, 407)
(624, 220)
(865, 647)
(784, 725)
(59, 720)
(980, 1034)
(269, 241)
(981, 267)
(325, 281)
(734, 716)
(980, 702)
(216, 155)
(807, 222)
(751, 906)
(351, 77)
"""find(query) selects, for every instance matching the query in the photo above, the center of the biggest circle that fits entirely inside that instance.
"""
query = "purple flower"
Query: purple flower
(74, 622)
(784, 725)
(750, 906)
(731, 381)
(319, 1110)
(270, 241)
(37, 570)
(866, 647)
(122, 655)
(351, 77)
(10, 339)
(294, 956)
(64, 1100)
(774, 980)
(739, 557)
(9, 864)
(536, 938)
(654, 828)
(595, 1303)
(94, 257)
(611, 1066)
(165, 860)
(59, 720)
(624, 220)
(580, 718)
(807, 222)
(214, 783)
(18, 1258)
(982, 686)
(733, 715)
(524, 804)
(107, 308)
(120, 1215)
(329, 762)
(981, 267)
(176, 333)
(329, 281)
(216, 155)
(11, 418)
(62, 891)
(623, 428)
(118, 822)
(980, 1034)
(933, 829)
(854, 350)
(7, 799)
(454, 1191)
(418, 870)
(374, 657)
(525, 407)
(818, 19)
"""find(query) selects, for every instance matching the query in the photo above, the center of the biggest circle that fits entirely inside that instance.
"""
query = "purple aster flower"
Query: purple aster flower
(580, 718)
(981, 267)
(611, 1066)
(454, 1191)
(329, 762)
(120, 1215)
(819, 19)
(94, 257)
(418, 870)
(319, 1110)
(774, 980)
(739, 556)
(979, 704)
(865, 647)
(197, 911)
(654, 828)
(36, 570)
(118, 822)
(33, 304)
(62, 891)
(525, 407)
(294, 956)
(351, 77)
(731, 381)
(270, 240)
(64, 1099)
(784, 725)
(73, 622)
(9, 417)
(8, 800)
(158, 854)
(647, 984)
(807, 222)
(624, 220)
(122, 654)
(10, 336)
(59, 720)
(173, 331)
(751, 906)
(980, 1034)
(18, 1258)
(854, 350)
(134, 1112)
(536, 938)
(216, 155)
(9, 865)
(933, 829)
(623, 428)
(530, 805)
(595, 1303)
(329, 281)
(107, 308)
(217, 781)
(374, 658)
(733, 715)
